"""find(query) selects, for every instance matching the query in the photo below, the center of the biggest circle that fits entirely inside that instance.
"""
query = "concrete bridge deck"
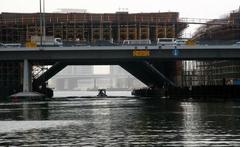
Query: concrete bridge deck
(142, 61)
(115, 54)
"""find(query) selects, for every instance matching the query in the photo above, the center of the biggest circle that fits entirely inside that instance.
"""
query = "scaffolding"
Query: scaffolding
(223, 72)
(89, 27)
(227, 33)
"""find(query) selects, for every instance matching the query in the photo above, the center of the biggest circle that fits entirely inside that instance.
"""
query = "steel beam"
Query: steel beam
(147, 74)
(49, 74)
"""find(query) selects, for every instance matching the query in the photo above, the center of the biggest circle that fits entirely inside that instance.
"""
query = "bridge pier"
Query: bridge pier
(27, 76)
(27, 83)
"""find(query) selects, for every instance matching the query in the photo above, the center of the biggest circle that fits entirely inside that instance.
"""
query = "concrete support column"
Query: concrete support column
(53, 29)
(27, 32)
(148, 32)
(91, 32)
(101, 31)
(83, 33)
(156, 31)
(110, 32)
(174, 31)
(27, 82)
(62, 32)
(139, 32)
(165, 31)
(66, 31)
(119, 33)
(74, 30)
(27, 76)
(127, 32)
(136, 32)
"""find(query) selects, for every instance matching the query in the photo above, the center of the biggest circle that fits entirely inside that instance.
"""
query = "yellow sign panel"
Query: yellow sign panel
(141, 53)
(190, 42)
(31, 45)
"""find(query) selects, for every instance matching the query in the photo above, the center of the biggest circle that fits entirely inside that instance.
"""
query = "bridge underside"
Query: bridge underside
(146, 72)
(155, 74)
(151, 74)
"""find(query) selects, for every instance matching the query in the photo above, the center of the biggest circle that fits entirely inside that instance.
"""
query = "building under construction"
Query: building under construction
(89, 27)
(228, 33)
(80, 28)
(215, 72)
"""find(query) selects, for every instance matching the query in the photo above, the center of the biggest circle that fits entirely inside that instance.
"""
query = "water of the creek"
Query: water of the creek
(119, 121)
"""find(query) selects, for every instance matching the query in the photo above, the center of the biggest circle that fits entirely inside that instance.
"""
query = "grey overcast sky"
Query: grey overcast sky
(187, 8)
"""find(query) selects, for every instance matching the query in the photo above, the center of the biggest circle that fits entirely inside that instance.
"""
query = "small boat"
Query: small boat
(102, 93)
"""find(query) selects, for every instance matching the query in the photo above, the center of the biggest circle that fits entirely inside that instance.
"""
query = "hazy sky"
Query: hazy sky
(187, 8)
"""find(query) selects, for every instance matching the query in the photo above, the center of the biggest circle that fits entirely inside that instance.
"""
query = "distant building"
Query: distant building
(83, 78)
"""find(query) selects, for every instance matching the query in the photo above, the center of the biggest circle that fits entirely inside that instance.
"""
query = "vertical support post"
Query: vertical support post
(53, 30)
(74, 28)
(83, 32)
(136, 32)
(62, 36)
(156, 32)
(165, 31)
(127, 32)
(27, 76)
(27, 32)
(41, 24)
(140, 31)
(66, 29)
(148, 32)
(110, 32)
(119, 35)
(44, 22)
(91, 32)
(174, 31)
(101, 31)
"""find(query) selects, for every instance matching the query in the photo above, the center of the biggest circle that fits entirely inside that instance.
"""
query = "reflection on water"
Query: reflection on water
(24, 111)
(119, 122)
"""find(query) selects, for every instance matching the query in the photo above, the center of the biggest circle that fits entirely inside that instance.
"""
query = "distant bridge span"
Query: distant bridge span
(205, 21)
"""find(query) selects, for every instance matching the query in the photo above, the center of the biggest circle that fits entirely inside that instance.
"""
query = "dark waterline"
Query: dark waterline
(119, 122)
